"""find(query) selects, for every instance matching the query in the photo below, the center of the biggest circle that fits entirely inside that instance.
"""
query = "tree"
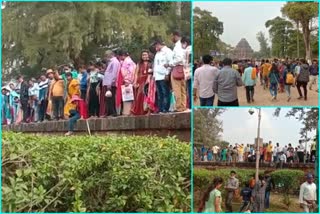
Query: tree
(207, 126)
(308, 117)
(302, 13)
(264, 51)
(279, 30)
(37, 35)
(207, 30)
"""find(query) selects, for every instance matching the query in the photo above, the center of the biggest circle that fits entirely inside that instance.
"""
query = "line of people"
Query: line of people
(158, 83)
(268, 153)
(222, 78)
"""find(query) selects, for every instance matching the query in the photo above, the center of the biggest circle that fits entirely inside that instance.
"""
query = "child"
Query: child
(80, 111)
(246, 198)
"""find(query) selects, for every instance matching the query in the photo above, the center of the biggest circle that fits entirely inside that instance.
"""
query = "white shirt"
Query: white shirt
(307, 192)
(283, 158)
(279, 149)
(162, 57)
(203, 80)
(34, 90)
(215, 149)
(178, 54)
(300, 148)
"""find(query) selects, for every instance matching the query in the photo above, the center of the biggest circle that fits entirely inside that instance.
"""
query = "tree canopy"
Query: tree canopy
(207, 127)
(207, 29)
(36, 34)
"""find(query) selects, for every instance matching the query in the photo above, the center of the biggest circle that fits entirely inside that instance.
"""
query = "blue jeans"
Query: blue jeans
(74, 116)
(207, 101)
(163, 94)
(273, 89)
(267, 200)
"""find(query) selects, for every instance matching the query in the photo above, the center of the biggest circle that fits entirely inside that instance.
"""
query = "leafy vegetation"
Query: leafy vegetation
(37, 35)
(94, 174)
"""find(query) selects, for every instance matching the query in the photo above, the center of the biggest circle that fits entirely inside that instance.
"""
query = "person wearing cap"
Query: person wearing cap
(161, 71)
(73, 88)
(225, 85)
(249, 80)
(109, 83)
(127, 70)
(78, 111)
(231, 186)
(178, 83)
(308, 195)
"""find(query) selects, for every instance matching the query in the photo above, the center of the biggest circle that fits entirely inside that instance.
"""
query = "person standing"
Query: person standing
(43, 97)
(308, 194)
(56, 95)
(83, 80)
(313, 152)
(303, 79)
(225, 85)
(231, 186)
(141, 80)
(92, 95)
(24, 98)
(269, 151)
(246, 193)
(109, 83)
(301, 151)
(186, 45)
(203, 82)
(33, 100)
(211, 200)
(249, 79)
(314, 72)
(161, 71)
(178, 83)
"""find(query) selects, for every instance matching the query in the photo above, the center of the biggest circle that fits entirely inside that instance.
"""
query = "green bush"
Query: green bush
(288, 180)
(94, 174)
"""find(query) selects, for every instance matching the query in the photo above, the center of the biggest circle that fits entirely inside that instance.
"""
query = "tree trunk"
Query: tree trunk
(298, 49)
(306, 39)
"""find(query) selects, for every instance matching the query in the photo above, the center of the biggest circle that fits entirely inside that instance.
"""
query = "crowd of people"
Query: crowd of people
(157, 83)
(269, 153)
(255, 194)
(222, 78)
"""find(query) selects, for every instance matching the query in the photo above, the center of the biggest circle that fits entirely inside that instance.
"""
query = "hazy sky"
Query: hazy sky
(241, 127)
(242, 19)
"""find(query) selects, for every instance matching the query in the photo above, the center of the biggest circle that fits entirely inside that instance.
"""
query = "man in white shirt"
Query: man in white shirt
(215, 152)
(308, 195)
(161, 70)
(203, 82)
(178, 83)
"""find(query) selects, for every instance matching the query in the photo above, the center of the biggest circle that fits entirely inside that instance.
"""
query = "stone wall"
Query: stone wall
(177, 124)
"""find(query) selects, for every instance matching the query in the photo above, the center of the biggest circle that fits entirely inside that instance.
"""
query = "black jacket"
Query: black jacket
(24, 93)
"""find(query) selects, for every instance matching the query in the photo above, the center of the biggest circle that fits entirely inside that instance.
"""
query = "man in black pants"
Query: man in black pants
(300, 151)
(24, 98)
(303, 79)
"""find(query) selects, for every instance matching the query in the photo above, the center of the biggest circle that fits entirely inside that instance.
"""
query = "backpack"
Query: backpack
(289, 78)
(254, 73)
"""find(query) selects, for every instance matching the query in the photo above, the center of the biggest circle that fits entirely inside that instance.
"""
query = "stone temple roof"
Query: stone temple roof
(243, 50)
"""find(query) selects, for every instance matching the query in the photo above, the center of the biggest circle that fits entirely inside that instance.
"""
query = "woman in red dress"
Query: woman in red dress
(142, 78)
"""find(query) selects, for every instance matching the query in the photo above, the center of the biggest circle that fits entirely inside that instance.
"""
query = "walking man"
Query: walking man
(308, 195)
(249, 80)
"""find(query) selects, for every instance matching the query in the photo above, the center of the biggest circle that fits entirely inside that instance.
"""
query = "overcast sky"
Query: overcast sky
(242, 19)
(241, 127)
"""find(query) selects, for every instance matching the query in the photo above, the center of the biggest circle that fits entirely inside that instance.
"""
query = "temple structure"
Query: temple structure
(243, 50)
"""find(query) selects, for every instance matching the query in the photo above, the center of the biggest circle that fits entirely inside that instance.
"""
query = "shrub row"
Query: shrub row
(94, 174)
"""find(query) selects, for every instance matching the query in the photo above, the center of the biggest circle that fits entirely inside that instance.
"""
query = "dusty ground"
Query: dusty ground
(263, 98)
